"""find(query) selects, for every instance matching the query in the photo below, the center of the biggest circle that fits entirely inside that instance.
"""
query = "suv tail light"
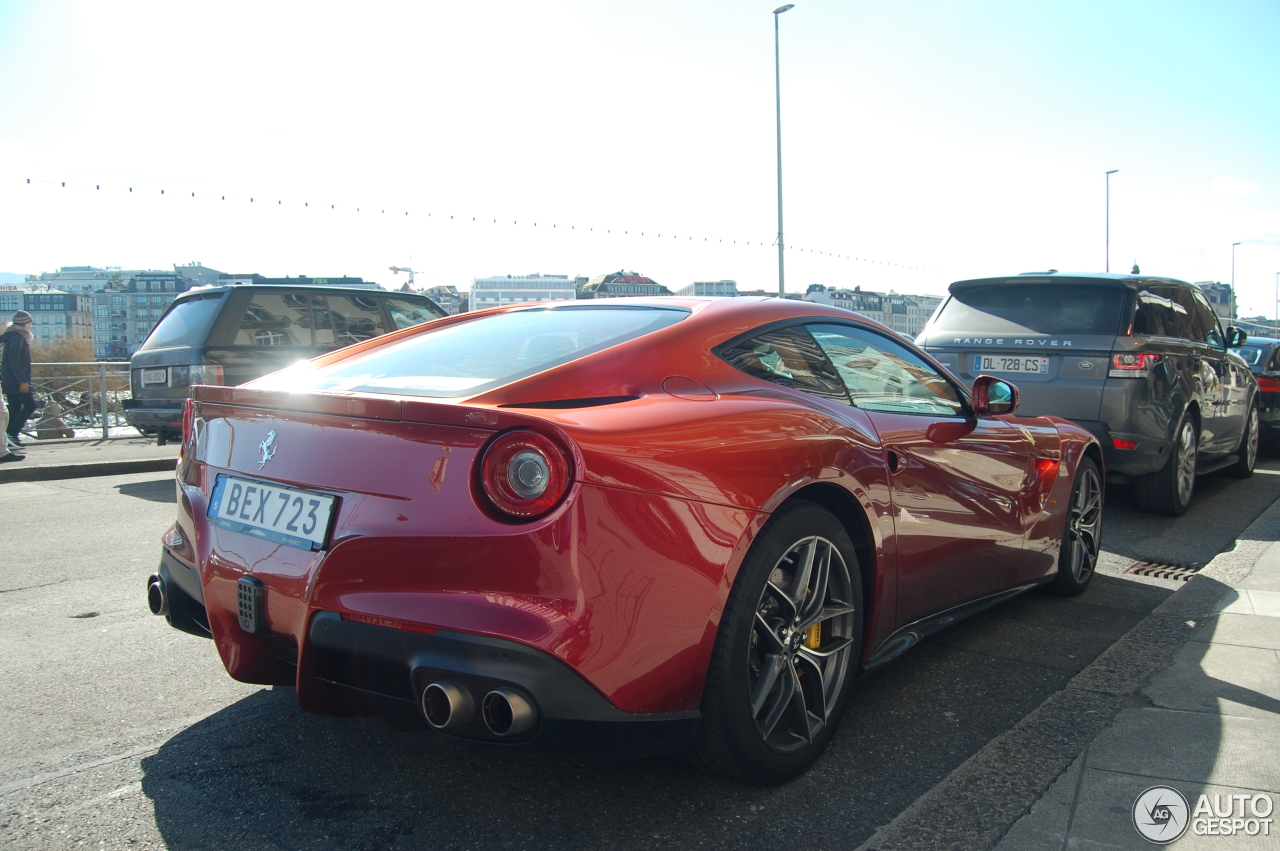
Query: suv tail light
(204, 373)
(524, 474)
(1269, 385)
(1132, 365)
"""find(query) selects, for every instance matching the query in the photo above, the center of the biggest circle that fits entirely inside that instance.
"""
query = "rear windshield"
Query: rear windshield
(489, 351)
(308, 319)
(1032, 308)
(186, 324)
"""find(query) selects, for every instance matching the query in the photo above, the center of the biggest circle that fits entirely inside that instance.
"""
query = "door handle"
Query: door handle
(894, 461)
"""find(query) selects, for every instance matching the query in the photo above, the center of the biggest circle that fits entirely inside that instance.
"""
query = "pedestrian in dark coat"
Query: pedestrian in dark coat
(15, 375)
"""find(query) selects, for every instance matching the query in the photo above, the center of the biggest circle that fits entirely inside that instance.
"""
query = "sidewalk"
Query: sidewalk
(75, 458)
(1189, 699)
(1210, 726)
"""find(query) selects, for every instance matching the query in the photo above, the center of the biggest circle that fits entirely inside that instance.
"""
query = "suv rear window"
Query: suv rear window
(326, 321)
(476, 355)
(1032, 308)
(185, 324)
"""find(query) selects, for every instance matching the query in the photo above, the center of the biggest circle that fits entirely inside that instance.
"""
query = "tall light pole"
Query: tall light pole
(1277, 304)
(1113, 171)
(777, 88)
(1233, 266)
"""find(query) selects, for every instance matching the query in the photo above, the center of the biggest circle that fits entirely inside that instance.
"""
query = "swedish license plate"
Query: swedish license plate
(153, 377)
(1010, 363)
(289, 516)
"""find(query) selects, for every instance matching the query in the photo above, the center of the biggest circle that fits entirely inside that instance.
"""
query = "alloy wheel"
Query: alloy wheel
(1186, 461)
(1084, 524)
(801, 643)
(1251, 439)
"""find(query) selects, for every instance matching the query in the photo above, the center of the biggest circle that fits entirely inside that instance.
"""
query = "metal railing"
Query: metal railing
(90, 394)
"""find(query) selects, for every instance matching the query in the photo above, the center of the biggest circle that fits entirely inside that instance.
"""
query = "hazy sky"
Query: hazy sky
(931, 140)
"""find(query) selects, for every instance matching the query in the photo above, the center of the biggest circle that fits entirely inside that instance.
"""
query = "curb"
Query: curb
(976, 805)
(51, 472)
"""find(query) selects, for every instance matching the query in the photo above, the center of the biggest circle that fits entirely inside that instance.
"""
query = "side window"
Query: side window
(1207, 321)
(884, 375)
(406, 314)
(1160, 314)
(790, 357)
(355, 318)
(274, 319)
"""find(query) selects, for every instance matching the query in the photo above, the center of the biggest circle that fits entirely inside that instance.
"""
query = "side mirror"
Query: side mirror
(993, 396)
(1236, 337)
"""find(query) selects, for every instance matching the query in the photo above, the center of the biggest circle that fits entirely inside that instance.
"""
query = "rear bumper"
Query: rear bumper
(142, 413)
(392, 667)
(1147, 457)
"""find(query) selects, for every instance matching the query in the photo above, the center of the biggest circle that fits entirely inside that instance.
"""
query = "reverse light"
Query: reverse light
(1131, 365)
(524, 474)
(1120, 443)
(1269, 385)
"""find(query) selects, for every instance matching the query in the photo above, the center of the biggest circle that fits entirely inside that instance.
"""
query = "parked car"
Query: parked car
(1263, 358)
(617, 528)
(232, 334)
(1141, 362)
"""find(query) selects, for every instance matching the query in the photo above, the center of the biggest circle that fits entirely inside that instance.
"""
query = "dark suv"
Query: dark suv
(1141, 362)
(232, 334)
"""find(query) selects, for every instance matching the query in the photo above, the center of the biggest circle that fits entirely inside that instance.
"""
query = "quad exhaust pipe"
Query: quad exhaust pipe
(447, 705)
(505, 711)
(157, 595)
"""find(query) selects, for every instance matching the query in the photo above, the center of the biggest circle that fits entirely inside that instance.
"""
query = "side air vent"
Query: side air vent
(589, 402)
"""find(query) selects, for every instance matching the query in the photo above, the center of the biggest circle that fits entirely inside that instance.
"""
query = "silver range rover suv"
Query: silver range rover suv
(1140, 361)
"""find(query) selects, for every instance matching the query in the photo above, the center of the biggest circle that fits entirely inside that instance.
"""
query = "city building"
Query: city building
(710, 288)
(124, 314)
(447, 296)
(518, 289)
(622, 284)
(906, 314)
(55, 315)
(1222, 298)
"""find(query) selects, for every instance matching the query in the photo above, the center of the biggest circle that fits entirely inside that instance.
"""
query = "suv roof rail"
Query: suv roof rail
(1046, 272)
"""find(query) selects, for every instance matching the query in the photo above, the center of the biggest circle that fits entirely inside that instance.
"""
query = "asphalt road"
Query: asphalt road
(120, 732)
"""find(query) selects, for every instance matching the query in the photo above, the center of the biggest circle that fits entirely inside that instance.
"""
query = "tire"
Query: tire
(1169, 489)
(772, 700)
(1082, 537)
(1248, 449)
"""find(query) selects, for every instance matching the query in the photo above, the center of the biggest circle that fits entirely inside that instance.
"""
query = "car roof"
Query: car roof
(1131, 282)
(1263, 341)
(223, 288)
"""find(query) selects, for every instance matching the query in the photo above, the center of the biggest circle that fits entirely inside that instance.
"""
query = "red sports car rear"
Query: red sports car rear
(614, 530)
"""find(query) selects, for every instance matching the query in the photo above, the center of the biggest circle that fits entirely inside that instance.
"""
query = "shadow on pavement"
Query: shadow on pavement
(263, 774)
(159, 491)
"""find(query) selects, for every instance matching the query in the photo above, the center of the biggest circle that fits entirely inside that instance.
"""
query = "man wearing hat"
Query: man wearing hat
(15, 375)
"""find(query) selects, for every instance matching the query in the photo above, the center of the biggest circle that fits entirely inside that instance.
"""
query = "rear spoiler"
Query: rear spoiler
(363, 406)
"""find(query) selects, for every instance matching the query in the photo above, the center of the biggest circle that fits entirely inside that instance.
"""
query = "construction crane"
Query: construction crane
(395, 270)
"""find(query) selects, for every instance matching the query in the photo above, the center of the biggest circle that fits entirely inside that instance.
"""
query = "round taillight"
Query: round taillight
(524, 474)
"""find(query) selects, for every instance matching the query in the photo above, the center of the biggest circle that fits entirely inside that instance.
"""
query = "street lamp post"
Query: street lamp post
(777, 83)
(1233, 266)
(1113, 171)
